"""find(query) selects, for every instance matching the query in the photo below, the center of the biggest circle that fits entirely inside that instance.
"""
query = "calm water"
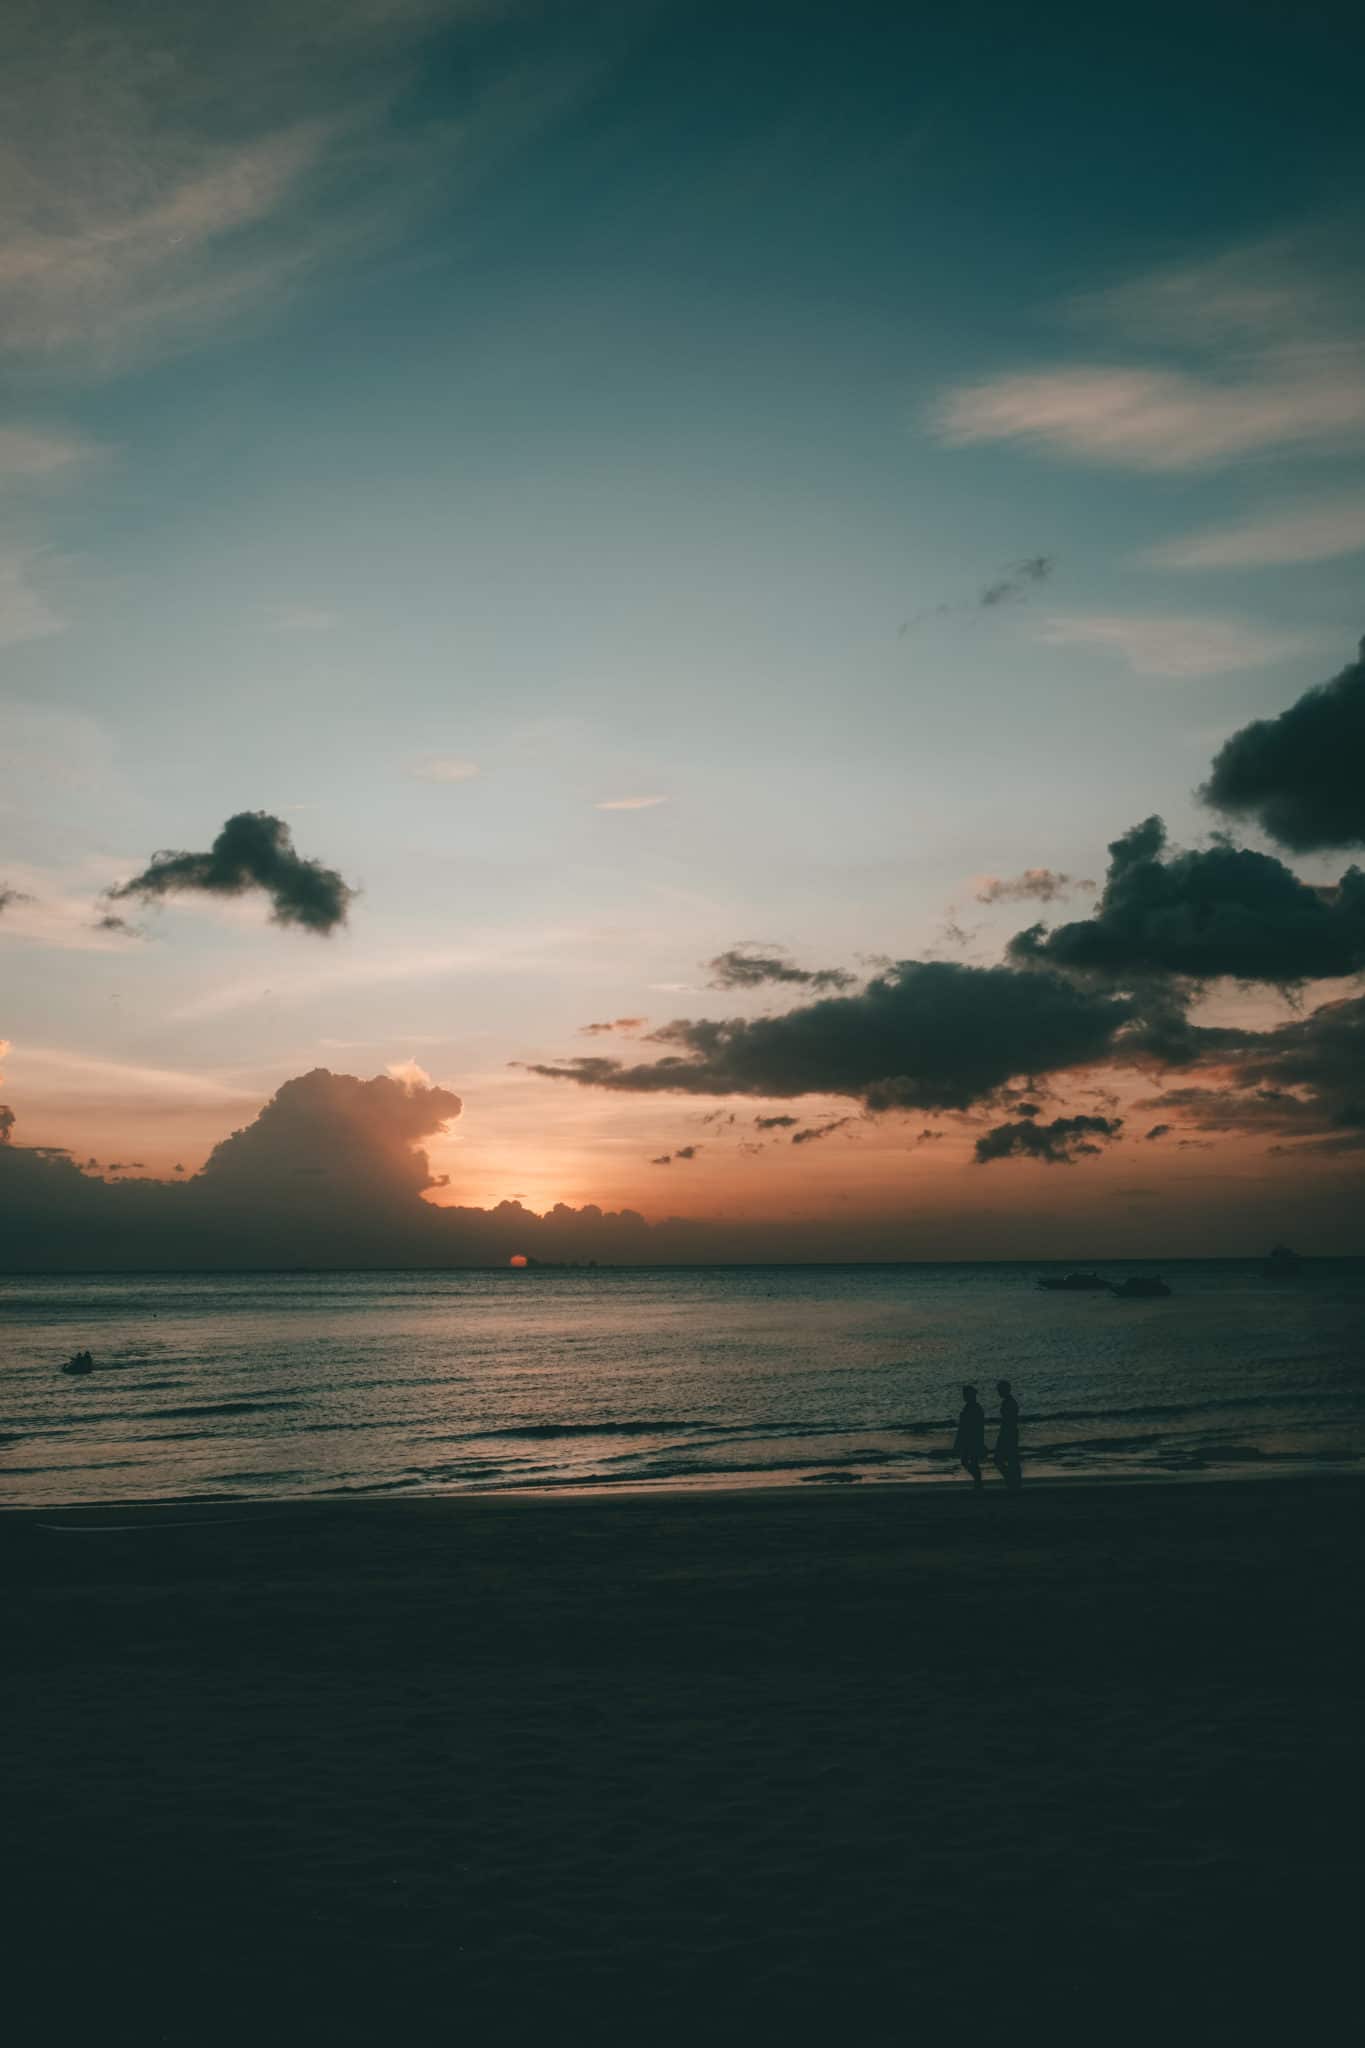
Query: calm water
(254, 1385)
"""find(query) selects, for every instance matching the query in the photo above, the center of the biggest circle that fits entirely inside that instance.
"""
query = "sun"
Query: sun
(517, 1259)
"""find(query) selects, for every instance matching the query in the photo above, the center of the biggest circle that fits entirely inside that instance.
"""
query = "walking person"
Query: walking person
(1006, 1458)
(970, 1442)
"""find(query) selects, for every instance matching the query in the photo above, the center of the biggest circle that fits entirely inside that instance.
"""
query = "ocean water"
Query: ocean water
(223, 1387)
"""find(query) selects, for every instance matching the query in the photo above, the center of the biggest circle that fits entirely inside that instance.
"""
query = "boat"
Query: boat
(1073, 1283)
(1141, 1287)
(1281, 1264)
(81, 1362)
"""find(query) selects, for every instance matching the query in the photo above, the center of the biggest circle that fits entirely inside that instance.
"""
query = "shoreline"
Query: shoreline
(817, 1486)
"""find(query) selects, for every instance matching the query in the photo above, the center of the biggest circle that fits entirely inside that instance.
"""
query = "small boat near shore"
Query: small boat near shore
(82, 1362)
(1074, 1283)
(1281, 1264)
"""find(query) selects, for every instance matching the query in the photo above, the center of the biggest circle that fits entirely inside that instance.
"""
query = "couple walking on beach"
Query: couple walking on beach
(970, 1444)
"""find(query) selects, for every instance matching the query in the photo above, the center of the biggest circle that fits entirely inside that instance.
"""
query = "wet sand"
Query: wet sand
(798, 1761)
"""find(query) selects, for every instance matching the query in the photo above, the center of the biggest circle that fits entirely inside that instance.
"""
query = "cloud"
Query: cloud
(1160, 420)
(814, 1131)
(930, 1138)
(1060, 1143)
(687, 1151)
(1218, 911)
(12, 896)
(750, 967)
(24, 614)
(1184, 648)
(1300, 775)
(775, 1123)
(7, 1122)
(1038, 885)
(630, 803)
(444, 768)
(1303, 533)
(925, 1035)
(1017, 581)
(301, 618)
(626, 1024)
(409, 1075)
(1273, 362)
(253, 851)
(1302, 1080)
(1157, 1131)
(33, 453)
(168, 173)
(1013, 584)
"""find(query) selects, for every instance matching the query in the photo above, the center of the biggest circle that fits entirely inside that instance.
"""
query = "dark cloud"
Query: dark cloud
(110, 921)
(687, 1151)
(125, 1166)
(748, 967)
(1060, 1143)
(1034, 885)
(931, 1137)
(6, 1122)
(613, 1024)
(1017, 581)
(9, 897)
(1221, 910)
(664, 1159)
(253, 851)
(1157, 1131)
(814, 1131)
(1303, 1079)
(1012, 584)
(1300, 776)
(776, 1123)
(928, 1035)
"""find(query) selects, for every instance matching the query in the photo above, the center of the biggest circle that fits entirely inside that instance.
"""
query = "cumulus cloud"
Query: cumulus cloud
(1300, 776)
(750, 967)
(925, 1035)
(1181, 648)
(253, 851)
(1218, 911)
(1038, 885)
(1304, 1079)
(1300, 533)
(1059, 1143)
(625, 1024)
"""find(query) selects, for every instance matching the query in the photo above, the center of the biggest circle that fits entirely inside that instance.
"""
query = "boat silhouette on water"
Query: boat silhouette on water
(82, 1362)
(1282, 1264)
(1074, 1283)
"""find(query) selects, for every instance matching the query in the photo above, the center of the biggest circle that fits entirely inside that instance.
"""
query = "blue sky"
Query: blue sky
(635, 403)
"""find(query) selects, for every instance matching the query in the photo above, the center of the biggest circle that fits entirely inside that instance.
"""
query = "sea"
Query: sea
(223, 1387)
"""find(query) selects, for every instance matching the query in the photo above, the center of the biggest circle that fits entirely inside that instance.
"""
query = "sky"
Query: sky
(649, 503)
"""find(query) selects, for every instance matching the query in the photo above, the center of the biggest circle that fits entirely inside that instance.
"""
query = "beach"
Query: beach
(652, 1763)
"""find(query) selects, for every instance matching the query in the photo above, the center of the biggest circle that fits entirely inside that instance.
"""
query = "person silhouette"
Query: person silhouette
(970, 1442)
(1006, 1458)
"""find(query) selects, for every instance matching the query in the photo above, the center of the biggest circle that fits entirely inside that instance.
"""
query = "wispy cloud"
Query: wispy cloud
(630, 803)
(1183, 648)
(1300, 533)
(24, 613)
(1276, 363)
(443, 768)
(164, 171)
(300, 618)
(34, 452)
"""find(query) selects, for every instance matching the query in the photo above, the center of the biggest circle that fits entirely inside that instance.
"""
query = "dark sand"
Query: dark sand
(868, 1764)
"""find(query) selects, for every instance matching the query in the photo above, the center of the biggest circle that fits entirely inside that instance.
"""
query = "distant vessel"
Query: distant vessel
(1074, 1283)
(82, 1362)
(1141, 1287)
(1282, 1264)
